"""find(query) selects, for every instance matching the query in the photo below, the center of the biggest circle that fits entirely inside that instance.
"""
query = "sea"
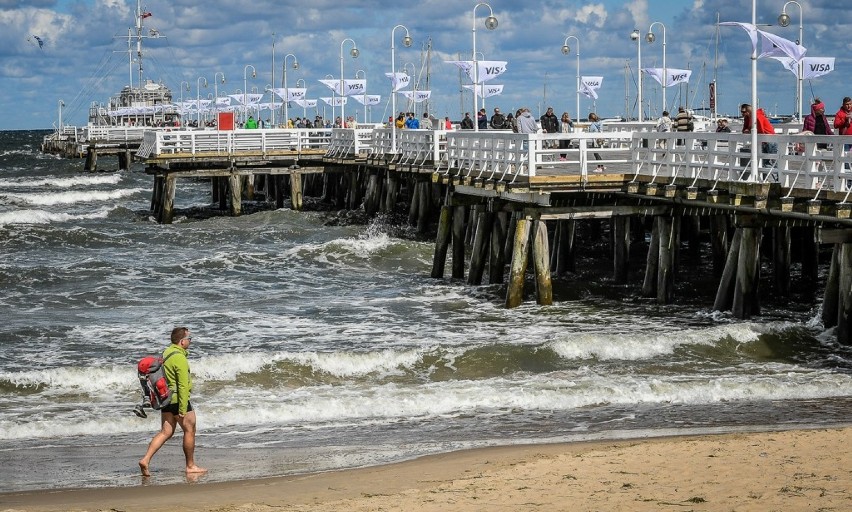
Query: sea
(321, 342)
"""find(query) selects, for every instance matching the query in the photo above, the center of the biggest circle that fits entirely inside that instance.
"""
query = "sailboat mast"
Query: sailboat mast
(139, 39)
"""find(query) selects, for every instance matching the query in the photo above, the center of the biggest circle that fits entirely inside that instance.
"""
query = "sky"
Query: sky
(84, 58)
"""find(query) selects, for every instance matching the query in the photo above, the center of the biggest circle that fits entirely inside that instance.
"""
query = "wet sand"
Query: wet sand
(787, 470)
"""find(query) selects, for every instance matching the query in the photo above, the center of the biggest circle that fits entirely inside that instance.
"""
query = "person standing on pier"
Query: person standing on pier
(843, 117)
(426, 123)
(816, 122)
(498, 121)
(595, 126)
(482, 119)
(179, 412)
(566, 125)
(549, 123)
(467, 122)
(764, 127)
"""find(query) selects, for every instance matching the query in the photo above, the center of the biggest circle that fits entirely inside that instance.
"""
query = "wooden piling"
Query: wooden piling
(652, 262)
(236, 203)
(124, 160)
(249, 187)
(157, 195)
(781, 260)
(565, 249)
(517, 274)
(424, 206)
(844, 311)
(371, 198)
(541, 260)
(414, 205)
(167, 211)
(746, 300)
(481, 245)
(296, 191)
(458, 241)
(719, 242)
(831, 298)
(442, 242)
(725, 291)
(621, 248)
(91, 159)
(496, 257)
(665, 266)
(391, 191)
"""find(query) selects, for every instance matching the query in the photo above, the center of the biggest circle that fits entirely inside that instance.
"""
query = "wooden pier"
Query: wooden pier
(510, 203)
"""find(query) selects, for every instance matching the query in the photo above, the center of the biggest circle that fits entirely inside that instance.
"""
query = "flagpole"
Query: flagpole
(490, 24)
(565, 50)
(754, 152)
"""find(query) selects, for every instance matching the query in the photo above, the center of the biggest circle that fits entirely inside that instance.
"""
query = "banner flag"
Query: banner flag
(675, 76)
(770, 44)
(399, 80)
(486, 91)
(353, 87)
(589, 86)
(486, 69)
(417, 96)
(306, 103)
(368, 100)
(337, 101)
(812, 67)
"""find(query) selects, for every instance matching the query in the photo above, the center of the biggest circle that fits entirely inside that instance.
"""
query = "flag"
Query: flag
(145, 14)
(290, 93)
(674, 76)
(354, 87)
(486, 69)
(306, 103)
(337, 101)
(332, 84)
(812, 67)
(770, 44)
(399, 80)
(368, 99)
(417, 96)
(589, 86)
(486, 90)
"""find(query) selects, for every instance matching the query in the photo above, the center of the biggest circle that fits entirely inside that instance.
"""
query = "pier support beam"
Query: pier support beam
(249, 187)
(372, 199)
(652, 263)
(481, 245)
(167, 211)
(781, 260)
(564, 255)
(458, 241)
(520, 255)
(719, 242)
(541, 259)
(296, 191)
(620, 248)
(442, 242)
(91, 159)
(236, 196)
(496, 257)
(746, 299)
(844, 311)
(666, 261)
(831, 299)
(124, 159)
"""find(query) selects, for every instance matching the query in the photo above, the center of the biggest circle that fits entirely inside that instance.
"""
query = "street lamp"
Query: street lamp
(490, 24)
(354, 53)
(565, 51)
(637, 36)
(784, 21)
(364, 96)
(651, 38)
(198, 98)
(216, 90)
(61, 104)
(286, 91)
(304, 107)
(406, 41)
(245, 86)
(329, 76)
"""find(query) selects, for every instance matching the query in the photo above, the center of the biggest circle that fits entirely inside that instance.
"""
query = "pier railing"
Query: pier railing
(116, 134)
(816, 162)
(232, 143)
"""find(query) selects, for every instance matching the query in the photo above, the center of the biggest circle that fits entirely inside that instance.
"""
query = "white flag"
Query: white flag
(486, 69)
(368, 99)
(812, 67)
(353, 87)
(290, 93)
(332, 84)
(417, 96)
(399, 80)
(674, 76)
(589, 86)
(336, 101)
(770, 44)
(486, 90)
(306, 103)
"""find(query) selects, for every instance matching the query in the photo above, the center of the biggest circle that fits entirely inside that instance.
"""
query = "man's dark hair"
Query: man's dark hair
(179, 333)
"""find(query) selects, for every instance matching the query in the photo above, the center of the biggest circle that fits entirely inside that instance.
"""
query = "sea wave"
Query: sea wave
(71, 197)
(67, 182)
(45, 217)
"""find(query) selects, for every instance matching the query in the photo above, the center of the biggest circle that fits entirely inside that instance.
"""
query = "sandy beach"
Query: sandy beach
(783, 470)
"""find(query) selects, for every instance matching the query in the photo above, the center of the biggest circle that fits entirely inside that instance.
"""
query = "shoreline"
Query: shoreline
(801, 469)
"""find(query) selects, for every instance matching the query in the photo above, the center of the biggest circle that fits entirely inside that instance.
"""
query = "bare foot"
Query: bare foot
(143, 466)
(195, 469)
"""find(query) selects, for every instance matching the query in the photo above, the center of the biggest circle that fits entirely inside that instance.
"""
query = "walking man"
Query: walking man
(179, 412)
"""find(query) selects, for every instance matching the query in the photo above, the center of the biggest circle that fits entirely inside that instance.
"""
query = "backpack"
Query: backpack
(152, 377)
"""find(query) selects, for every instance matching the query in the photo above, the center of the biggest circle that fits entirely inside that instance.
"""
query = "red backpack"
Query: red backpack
(152, 378)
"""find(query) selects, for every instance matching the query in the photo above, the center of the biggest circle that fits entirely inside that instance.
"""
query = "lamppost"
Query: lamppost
(245, 86)
(490, 24)
(216, 90)
(784, 21)
(329, 76)
(354, 53)
(364, 96)
(182, 106)
(651, 38)
(304, 108)
(286, 91)
(198, 98)
(406, 41)
(637, 36)
(61, 104)
(565, 51)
